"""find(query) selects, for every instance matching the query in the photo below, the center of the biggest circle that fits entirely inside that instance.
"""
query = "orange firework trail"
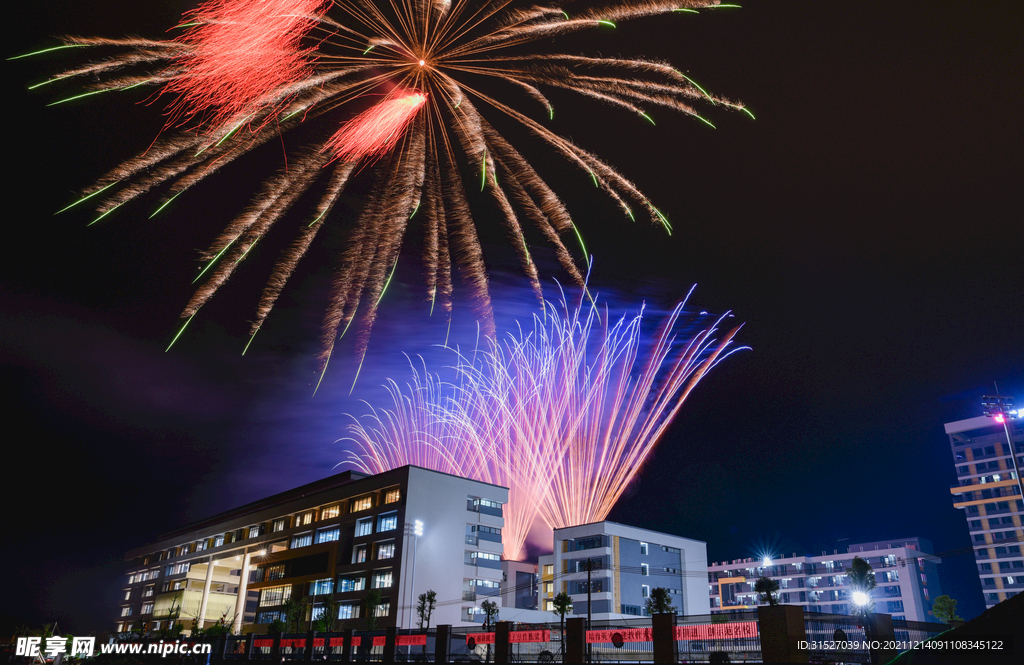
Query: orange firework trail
(564, 414)
(245, 71)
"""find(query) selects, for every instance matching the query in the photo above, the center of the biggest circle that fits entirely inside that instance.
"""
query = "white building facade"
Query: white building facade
(905, 572)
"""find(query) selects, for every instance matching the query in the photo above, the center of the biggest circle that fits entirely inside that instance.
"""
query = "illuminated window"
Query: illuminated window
(364, 527)
(364, 503)
(328, 535)
(128, 594)
(359, 554)
(321, 587)
(302, 540)
(147, 592)
(279, 525)
(549, 569)
(126, 611)
(256, 531)
(218, 541)
(382, 579)
(385, 550)
(330, 511)
(387, 522)
(275, 572)
(382, 609)
(352, 583)
(147, 608)
(349, 611)
(275, 595)
(392, 496)
(304, 519)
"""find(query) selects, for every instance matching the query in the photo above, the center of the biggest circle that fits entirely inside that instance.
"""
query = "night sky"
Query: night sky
(865, 227)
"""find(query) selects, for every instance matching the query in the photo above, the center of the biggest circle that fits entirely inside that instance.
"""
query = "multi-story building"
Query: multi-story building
(625, 564)
(904, 568)
(988, 492)
(328, 543)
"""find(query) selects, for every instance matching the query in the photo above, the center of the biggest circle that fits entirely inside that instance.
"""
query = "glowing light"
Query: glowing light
(1000, 418)
(860, 598)
(563, 413)
(767, 561)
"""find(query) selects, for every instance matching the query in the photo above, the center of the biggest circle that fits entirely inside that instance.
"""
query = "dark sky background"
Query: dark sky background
(866, 227)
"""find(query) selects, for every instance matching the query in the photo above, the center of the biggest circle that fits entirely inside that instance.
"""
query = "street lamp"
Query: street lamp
(417, 530)
(860, 599)
(1000, 408)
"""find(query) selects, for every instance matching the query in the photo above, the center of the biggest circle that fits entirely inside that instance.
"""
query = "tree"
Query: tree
(490, 609)
(292, 613)
(562, 605)
(768, 590)
(323, 621)
(862, 580)
(373, 599)
(659, 602)
(944, 609)
(425, 608)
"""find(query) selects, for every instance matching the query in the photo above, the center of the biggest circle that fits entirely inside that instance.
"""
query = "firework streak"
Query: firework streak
(564, 414)
(399, 87)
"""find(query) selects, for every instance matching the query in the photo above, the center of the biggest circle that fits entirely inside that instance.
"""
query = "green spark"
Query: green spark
(705, 120)
(663, 218)
(47, 50)
(595, 179)
(293, 113)
(213, 260)
(369, 49)
(87, 196)
(551, 112)
(629, 212)
(694, 84)
(414, 211)
(166, 203)
(317, 218)
(384, 290)
(105, 214)
(179, 333)
(233, 130)
(39, 85)
(579, 238)
(483, 173)
(324, 370)
(565, 15)
(607, 23)
(647, 116)
(726, 6)
(251, 338)
(358, 370)
(688, 11)
(84, 94)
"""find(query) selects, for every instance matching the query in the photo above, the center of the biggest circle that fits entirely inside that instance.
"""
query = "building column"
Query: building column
(663, 635)
(206, 594)
(442, 643)
(243, 586)
(574, 646)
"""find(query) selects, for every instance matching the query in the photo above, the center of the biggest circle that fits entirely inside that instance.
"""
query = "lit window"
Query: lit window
(382, 609)
(385, 550)
(302, 540)
(387, 522)
(304, 519)
(330, 511)
(328, 535)
(275, 572)
(382, 579)
(255, 531)
(364, 527)
(275, 595)
(147, 608)
(279, 525)
(352, 583)
(147, 592)
(361, 504)
(128, 594)
(549, 569)
(279, 546)
(201, 545)
(321, 587)
(392, 496)
(359, 554)
(218, 541)
(349, 611)
(126, 611)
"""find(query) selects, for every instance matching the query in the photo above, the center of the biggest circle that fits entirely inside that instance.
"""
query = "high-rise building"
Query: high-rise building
(905, 572)
(328, 543)
(988, 492)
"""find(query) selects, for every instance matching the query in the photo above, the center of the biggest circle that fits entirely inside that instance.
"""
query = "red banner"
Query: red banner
(705, 631)
(378, 641)
(514, 637)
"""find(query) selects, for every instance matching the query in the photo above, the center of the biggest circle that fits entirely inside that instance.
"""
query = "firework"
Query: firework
(402, 88)
(563, 414)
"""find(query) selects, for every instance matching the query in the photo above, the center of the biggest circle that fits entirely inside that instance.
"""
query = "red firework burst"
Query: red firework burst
(375, 131)
(241, 55)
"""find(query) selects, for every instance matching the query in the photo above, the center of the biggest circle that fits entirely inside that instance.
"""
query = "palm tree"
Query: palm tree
(768, 589)
(862, 581)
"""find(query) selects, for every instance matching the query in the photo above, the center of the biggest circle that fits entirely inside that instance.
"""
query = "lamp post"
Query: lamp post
(998, 407)
(416, 530)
